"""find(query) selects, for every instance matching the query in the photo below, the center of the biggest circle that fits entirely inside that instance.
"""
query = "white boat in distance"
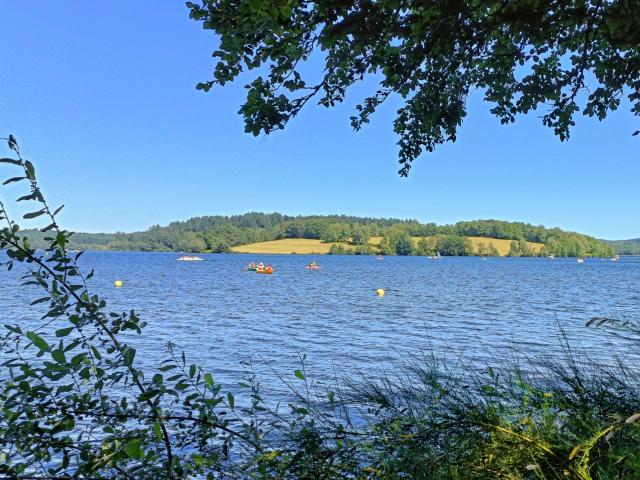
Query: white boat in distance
(189, 258)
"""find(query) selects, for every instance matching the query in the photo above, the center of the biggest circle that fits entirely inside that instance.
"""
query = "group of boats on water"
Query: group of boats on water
(615, 258)
(259, 268)
(268, 269)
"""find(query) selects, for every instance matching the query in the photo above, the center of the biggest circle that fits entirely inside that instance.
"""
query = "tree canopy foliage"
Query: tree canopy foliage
(220, 233)
(626, 247)
(560, 58)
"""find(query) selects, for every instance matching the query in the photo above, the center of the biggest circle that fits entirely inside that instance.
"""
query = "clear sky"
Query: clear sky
(102, 97)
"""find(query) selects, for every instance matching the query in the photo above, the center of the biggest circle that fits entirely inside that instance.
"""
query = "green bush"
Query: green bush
(338, 249)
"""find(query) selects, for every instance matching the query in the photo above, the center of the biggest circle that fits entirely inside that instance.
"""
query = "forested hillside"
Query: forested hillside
(220, 233)
(625, 247)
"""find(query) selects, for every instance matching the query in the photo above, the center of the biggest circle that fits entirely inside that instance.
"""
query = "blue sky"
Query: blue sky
(101, 96)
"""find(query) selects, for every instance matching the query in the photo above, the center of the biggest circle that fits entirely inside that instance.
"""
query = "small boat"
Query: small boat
(313, 266)
(189, 258)
(252, 267)
(551, 257)
(615, 258)
(580, 260)
(265, 271)
(379, 257)
(436, 257)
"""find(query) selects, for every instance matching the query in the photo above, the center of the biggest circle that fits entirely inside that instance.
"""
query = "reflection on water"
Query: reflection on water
(222, 314)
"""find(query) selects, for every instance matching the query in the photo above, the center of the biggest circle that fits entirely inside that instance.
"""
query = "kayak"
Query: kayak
(312, 267)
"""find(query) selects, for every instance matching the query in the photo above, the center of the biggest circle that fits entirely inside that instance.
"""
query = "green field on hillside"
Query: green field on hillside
(309, 246)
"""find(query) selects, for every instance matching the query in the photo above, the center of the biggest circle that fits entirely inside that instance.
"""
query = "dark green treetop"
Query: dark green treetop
(560, 57)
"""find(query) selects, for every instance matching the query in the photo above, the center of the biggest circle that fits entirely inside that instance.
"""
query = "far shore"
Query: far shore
(304, 246)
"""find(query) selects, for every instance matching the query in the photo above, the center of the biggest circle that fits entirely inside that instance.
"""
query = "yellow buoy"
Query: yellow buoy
(118, 283)
(380, 292)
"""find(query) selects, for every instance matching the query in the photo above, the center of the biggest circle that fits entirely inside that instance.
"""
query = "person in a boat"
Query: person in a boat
(261, 265)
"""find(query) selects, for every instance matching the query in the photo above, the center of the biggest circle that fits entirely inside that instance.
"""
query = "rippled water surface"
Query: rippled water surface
(222, 314)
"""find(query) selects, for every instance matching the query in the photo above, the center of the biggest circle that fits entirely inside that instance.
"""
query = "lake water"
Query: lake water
(222, 314)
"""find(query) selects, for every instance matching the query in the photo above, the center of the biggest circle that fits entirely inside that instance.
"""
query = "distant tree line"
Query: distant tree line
(348, 234)
(625, 247)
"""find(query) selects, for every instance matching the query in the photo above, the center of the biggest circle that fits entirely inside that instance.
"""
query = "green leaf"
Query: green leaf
(13, 179)
(38, 341)
(31, 196)
(231, 400)
(63, 332)
(31, 172)
(157, 430)
(72, 345)
(40, 300)
(488, 389)
(129, 355)
(30, 215)
(96, 353)
(299, 374)
(192, 371)
(15, 329)
(208, 379)
(10, 160)
(148, 395)
(79, 358)
(58, 356)
(180, 386)
(133, 448)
